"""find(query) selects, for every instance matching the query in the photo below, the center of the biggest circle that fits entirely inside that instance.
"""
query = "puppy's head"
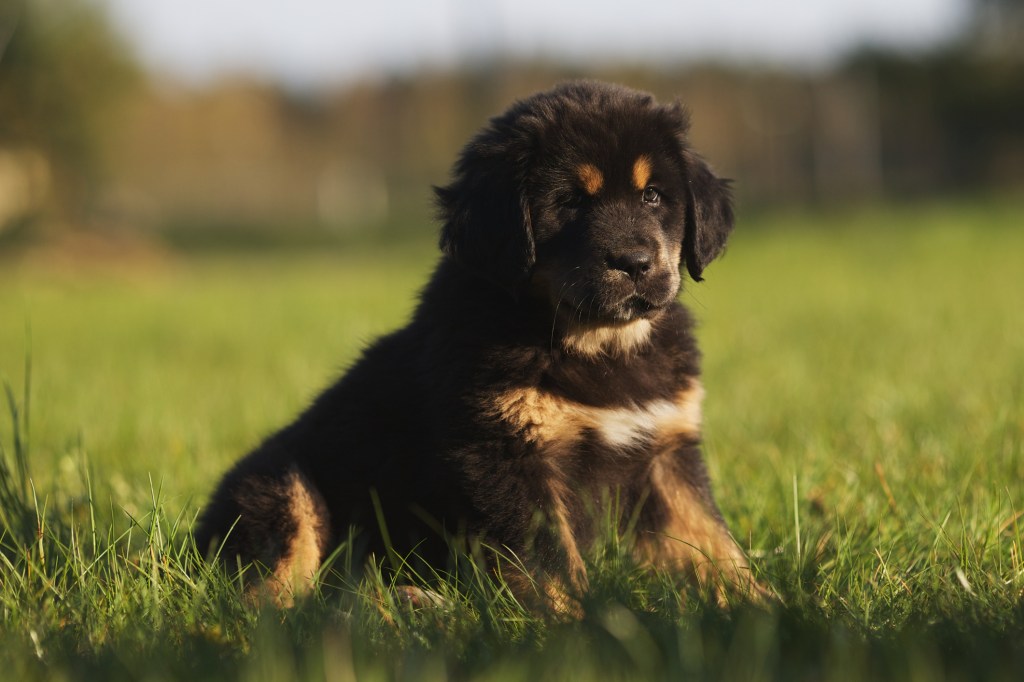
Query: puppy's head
(588, 196)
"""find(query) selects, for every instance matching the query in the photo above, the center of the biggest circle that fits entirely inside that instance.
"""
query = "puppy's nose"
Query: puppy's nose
(636, 263)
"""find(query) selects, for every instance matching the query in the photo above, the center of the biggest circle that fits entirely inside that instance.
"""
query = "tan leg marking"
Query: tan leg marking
(696, 542)
(562, 588)
(293, 574)
(576, 570)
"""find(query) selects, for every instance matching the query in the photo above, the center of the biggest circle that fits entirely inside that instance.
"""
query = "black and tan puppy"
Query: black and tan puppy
(549, 376)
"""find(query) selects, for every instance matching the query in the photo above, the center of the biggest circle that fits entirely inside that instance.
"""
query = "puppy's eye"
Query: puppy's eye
(652, 196)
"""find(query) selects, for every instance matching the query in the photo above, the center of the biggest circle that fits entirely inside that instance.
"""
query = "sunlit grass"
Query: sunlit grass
(864, 420)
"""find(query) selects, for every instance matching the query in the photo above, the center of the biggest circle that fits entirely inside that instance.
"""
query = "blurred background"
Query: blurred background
(135, 125)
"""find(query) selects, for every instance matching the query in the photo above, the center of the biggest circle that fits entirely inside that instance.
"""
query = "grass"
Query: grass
(865, 421)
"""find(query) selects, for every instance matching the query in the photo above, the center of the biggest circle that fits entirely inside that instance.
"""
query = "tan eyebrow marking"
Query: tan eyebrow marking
(591, 178)
(641, 171)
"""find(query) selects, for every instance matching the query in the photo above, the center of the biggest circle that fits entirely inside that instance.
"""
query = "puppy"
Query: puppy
(548, 380)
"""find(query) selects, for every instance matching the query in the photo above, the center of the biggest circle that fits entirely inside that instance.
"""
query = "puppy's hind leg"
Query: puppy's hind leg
(272, 525)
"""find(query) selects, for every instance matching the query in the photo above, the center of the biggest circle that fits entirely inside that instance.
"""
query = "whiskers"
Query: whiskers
(566, 288)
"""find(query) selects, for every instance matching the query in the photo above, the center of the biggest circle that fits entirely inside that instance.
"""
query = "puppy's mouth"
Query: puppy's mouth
(632, 298)
(604, 300)
(638, 306)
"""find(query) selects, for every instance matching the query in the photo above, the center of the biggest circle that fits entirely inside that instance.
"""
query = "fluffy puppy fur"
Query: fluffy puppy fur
(548, 379)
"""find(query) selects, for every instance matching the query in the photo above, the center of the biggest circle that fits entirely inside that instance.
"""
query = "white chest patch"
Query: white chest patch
(625, 427)
(545, 418)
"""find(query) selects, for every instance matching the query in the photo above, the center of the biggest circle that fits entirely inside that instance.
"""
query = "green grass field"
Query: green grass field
(865, 433)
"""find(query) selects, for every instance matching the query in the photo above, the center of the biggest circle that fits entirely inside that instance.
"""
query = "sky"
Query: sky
(309, 42)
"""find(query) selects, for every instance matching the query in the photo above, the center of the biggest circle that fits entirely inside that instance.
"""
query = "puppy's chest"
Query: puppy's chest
(557, 425)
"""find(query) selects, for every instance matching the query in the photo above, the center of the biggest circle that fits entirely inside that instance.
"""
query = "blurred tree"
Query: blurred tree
(998, 28)
(62, 70)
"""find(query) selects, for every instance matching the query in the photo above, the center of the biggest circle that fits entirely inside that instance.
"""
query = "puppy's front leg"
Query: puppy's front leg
(548, 572)
(683, 531)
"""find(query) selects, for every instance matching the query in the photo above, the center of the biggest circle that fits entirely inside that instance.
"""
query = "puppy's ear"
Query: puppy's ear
(485, 211)
(709, 215)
